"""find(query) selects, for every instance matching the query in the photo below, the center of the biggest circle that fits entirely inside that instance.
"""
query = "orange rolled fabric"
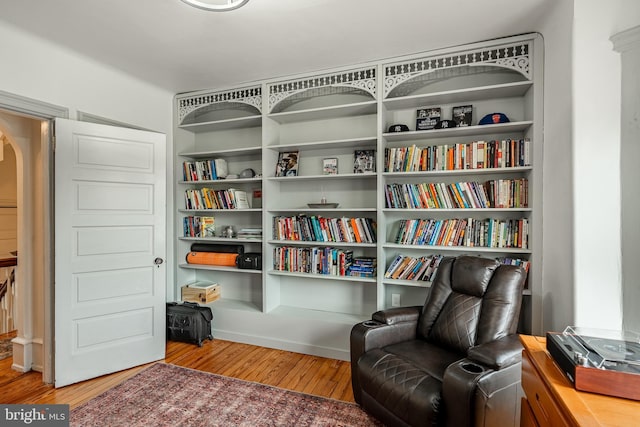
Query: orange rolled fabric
(212, 258)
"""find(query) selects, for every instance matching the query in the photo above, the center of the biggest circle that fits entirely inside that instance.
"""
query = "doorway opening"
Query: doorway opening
(26, 194)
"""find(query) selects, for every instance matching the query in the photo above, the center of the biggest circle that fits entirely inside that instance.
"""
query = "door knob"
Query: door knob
(158, 261)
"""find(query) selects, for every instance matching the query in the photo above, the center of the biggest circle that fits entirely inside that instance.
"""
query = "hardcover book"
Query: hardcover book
(364, 161)
(287, 164)
(427, 118)
(463, 115)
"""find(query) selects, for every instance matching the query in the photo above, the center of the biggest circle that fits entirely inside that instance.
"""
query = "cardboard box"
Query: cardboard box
(201, 292)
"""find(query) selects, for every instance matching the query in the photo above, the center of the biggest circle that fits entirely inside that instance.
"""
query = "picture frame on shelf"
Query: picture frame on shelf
(427, 118)
(462, 115)
(330, 166)
(364, 161)
(287, 164)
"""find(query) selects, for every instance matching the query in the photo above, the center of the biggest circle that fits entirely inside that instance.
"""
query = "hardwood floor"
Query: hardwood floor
(299, 372)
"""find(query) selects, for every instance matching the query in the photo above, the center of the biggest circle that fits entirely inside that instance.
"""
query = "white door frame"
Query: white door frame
(43, 111)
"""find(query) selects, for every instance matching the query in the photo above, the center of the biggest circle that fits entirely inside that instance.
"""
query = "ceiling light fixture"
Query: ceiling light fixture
(216, 5)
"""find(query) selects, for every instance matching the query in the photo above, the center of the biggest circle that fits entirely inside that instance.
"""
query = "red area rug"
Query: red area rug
(169, 395)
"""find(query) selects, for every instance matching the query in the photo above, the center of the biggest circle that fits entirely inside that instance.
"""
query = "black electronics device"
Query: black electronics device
(598, 361)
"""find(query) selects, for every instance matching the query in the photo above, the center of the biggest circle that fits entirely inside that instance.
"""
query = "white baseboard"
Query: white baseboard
(296, 347)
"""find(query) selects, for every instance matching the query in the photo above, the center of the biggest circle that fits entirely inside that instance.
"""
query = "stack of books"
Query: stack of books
(250, 233)
(363, 267)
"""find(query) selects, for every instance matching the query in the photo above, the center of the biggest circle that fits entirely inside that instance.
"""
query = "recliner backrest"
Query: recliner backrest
(473, 300)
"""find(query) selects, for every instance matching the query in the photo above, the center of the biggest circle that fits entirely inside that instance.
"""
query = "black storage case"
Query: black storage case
(250, 261)
(188, 322)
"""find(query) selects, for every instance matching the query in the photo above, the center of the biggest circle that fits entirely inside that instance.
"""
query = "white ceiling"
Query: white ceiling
(180, 48)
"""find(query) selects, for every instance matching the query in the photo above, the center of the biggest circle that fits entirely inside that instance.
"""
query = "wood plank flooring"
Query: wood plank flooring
(293, 371)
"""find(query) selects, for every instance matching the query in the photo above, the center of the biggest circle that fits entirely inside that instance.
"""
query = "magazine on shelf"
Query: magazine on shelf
(287, 164)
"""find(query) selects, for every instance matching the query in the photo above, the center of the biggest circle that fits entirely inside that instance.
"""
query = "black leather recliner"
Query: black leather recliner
(456, 361)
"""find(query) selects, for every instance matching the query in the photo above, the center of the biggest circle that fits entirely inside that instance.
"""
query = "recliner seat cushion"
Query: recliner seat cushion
(400, 386)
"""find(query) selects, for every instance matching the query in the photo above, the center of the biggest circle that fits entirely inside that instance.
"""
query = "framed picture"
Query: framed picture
(364, 161)
(330, 166)
(463, 115)
(287, 164)
(427, 118)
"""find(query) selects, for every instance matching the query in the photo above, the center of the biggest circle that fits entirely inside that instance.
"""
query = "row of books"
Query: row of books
(314, 260)
(516, 261)
(472, 155)
(469, 232)
(322, 229)
(404, 267)
(199, 226)
(208, 198)
(204, 170)
(329, 261)
(497, 193)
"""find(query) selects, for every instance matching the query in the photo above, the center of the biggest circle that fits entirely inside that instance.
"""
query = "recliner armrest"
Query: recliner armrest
(499, 353)
(387, 327)
(397, 314)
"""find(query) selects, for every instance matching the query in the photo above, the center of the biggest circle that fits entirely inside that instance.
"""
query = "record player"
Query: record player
(598, 361)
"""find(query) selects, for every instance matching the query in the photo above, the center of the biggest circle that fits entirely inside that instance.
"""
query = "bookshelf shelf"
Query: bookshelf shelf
(215, 125)
(309, 243)
(219, 240)
(323, 276)
(329, 112)
(218, 268)
(458, 249)
(337, 177)
(472, 131)
(231, 152)
(364, 142)
(505, 90)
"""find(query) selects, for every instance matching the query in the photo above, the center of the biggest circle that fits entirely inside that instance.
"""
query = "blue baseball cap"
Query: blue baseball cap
(494, 118)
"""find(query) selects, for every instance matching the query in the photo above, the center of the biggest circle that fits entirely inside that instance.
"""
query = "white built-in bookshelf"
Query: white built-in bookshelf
(491, 175)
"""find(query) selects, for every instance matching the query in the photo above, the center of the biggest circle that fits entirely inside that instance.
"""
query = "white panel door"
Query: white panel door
(110, 229)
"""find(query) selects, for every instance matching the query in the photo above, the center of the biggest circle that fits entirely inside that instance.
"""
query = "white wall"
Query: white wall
(557, 253)
(34, 68)
(628, 44)
(596, 157)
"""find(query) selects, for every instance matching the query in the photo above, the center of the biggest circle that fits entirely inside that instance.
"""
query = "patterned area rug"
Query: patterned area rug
(6, 348)
(169, 395)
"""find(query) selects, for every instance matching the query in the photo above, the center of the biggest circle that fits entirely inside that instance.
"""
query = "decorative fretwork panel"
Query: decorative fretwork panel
(354, 81)
(250, 97)
(515, 56)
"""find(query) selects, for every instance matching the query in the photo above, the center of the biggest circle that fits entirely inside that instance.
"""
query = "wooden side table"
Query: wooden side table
(551, 400)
